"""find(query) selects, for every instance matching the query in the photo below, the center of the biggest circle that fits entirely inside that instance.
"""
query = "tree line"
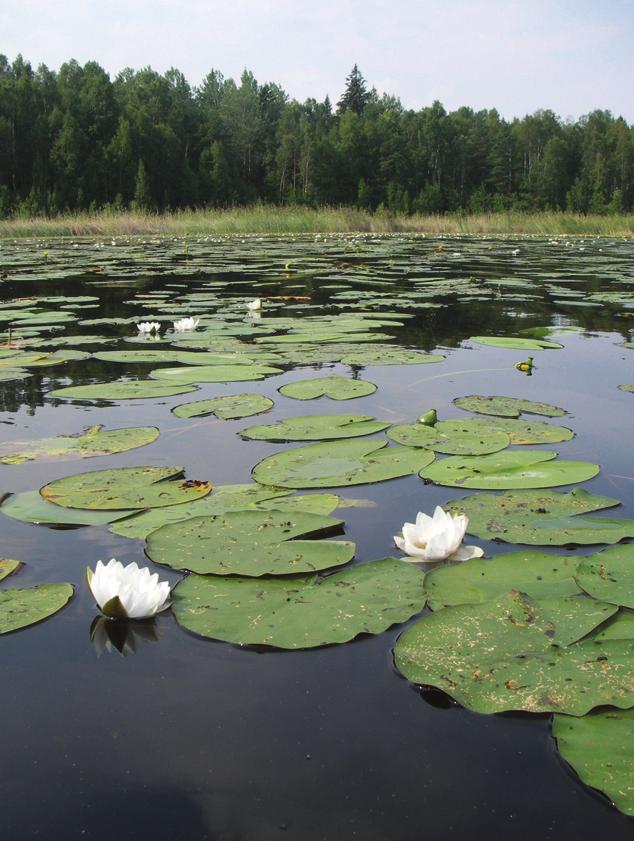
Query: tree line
(75, 140)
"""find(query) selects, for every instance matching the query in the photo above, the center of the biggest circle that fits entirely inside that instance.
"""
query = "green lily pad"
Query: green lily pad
(319, 503)
(251, 543)
(465, 437)
(302, 612)
(627, 387)
(20, 608)
(229, 407)
(541, 575)
(8, 567)
(31, 507)
(125, 487)
(506, 407)
(126, 390)
(542, 517)
(514, 343)
(599, 748)
(223, 498)
(315, 428)
(340, 463)
(389, 356)
(337, 388)
(509, 469)
(190, 374)
(609, 575)
(87, 444)
(527, 432)
(168, 355)
(514, 653)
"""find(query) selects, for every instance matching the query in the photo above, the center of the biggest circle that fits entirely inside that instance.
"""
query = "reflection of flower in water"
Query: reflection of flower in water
(120, 635)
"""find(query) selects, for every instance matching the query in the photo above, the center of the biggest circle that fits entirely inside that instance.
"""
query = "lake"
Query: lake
(192, 737)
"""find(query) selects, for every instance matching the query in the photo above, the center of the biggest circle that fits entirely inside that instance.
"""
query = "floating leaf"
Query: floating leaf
(91, 442)
(31, 507)
(509, 469)
(506, 407)
(389, 356)
(627, 387)
(126, 390)
(542, 518)
(541, 575)
(168, 355)
(527, 432)
(337, 388)
(125, 487)
(514, 343)
(301, 612)
(7, 567)
(188, 375)
(229, 407)
(339, 463)
(20, 608)
(315, 428)
(251, 543)
(609, 575)
(599, 748)
(465, 437)
(514, 653)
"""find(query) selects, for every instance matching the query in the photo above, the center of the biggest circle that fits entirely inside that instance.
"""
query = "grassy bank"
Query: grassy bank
(303, 220)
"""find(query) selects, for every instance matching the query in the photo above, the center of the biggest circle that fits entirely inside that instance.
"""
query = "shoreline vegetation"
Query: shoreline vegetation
(271, 219)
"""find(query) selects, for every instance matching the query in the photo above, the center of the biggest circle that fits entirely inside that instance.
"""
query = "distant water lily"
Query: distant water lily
(148, 326)
(436, 538)
(254, 306)
(127, 592)
(184, 324)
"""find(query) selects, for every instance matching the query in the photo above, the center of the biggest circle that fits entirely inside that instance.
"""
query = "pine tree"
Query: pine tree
(356, 95)
(142, 197)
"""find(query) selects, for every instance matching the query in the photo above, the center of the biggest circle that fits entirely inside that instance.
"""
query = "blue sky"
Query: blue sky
(569, 56)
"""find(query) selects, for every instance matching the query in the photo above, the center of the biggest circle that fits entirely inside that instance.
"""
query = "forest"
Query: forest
(76, 140)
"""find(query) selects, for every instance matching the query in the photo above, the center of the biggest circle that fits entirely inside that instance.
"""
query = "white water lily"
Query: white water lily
(186, 324)
(148, 326)
(254, 305)
(127, 592)
(436, 538)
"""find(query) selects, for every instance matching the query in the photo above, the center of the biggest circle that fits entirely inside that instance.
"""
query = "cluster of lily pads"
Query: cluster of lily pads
(526, 630)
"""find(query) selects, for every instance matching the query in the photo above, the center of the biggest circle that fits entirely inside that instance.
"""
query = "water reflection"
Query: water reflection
(121, 636)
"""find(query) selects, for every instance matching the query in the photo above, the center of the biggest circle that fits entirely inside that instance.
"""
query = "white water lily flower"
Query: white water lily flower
(148, 327)
(186, 324)
(254, 305)
(436, 538)
(127, 592)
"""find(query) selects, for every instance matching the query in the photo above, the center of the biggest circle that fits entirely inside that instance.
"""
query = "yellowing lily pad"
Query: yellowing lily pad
(92, 442)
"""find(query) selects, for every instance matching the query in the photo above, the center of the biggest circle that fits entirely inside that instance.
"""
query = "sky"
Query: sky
(571, 56)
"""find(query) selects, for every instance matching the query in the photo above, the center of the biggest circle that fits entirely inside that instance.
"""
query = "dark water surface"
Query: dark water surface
(192, 739)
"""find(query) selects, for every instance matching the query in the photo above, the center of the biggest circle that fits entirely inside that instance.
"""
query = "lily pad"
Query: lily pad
(8, 567)
(513, 343)
(506, 407)
(125, 487)
(125, 390)
(514, 653)
(337, 388)
(223, 498)
(302, 612)
(627, 387)
(228, 407)
(541, 575)
(31, 507)
(251, 543)
(609, 575)
(389, 356)
(20, 608)
(527, 432)
(316, 428)
(509, 469)
(87, 444)
(465, 437)
(599, 748)
(542, 517)
(190, 374)
(168, 355)
(340, 463)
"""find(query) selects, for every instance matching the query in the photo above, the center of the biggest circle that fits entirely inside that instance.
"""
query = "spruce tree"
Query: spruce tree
(356, 95)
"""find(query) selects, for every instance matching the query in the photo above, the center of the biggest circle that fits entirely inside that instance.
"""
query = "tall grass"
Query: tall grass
(267, 219)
